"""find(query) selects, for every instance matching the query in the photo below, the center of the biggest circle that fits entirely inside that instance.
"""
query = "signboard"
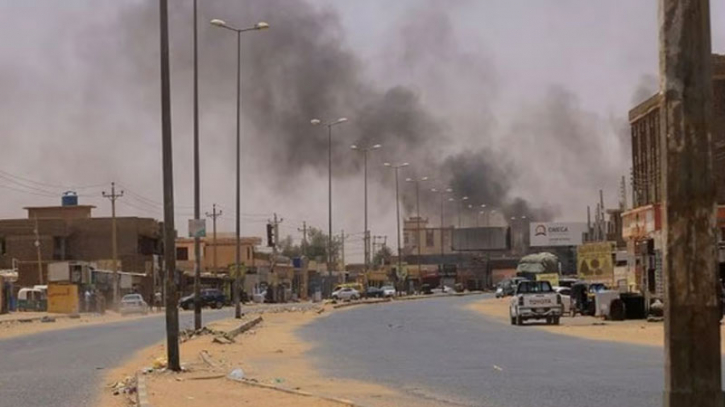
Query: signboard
(552, 278)
(547, 234)
(197, 227)
(233, 271)
(594, 262)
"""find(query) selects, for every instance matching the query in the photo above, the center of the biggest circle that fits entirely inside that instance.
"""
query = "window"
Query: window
(429, 238)
(182, 253)
(58, 248)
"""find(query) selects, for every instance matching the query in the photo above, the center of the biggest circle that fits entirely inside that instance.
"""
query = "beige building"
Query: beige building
(416, 233)
(216, 257)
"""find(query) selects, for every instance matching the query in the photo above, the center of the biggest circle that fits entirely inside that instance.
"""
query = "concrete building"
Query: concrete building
(224, 250)
(71, 233)
(642, 226)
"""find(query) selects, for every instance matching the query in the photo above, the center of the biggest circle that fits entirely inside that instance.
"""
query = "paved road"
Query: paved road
(434, 349)
(65, 367)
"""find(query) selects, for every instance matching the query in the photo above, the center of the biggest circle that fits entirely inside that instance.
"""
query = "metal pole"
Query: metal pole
(197, 203)
(329, 200)
(366, 233)
(397, 211)
(114, 244)
(417, 232)
(692, 301)
(237, 254)
(443, 250)
(172, 311)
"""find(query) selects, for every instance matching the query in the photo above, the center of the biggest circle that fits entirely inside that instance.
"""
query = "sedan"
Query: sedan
(133, 304)
(388, 291)
(346, 294)
(374, 292)
(565, 293)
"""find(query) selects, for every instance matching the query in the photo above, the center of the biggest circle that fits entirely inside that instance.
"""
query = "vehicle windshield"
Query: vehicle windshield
(531, 287)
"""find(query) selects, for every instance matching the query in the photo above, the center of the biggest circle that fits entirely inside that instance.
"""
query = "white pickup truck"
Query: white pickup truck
(535, 300)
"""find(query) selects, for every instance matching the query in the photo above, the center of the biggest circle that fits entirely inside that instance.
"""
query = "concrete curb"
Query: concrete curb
(142, 399)
(343, 402)
(243, 328)
(352, 304)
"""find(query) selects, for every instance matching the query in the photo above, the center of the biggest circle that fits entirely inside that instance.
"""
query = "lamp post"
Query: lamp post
(397, 167)
(441, 192)
(257, 27)
(366, 238)
(417, 210)
(318, 122)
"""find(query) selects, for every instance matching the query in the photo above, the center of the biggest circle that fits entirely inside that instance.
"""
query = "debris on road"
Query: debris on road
(236, 374)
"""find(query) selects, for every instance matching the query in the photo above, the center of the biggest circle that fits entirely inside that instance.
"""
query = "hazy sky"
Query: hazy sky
(544, 86)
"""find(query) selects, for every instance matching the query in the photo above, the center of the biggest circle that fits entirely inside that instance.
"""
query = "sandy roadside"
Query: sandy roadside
(10, 328)
(639, 332)
(270, 353)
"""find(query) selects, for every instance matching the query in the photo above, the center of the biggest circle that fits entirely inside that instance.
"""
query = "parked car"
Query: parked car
(499, 292)
(565, 293)
(346, 294)
(374, 292)
(535, 300)
(508, 286)
(388, 291)
(133, 304)
(209, 298)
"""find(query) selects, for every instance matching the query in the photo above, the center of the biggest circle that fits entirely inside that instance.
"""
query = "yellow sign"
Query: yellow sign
(235, 272)
(63, 298)
(594, 262)
(552, 278)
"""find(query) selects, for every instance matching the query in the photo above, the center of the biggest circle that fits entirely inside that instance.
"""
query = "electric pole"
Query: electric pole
(114, 242)
(304, 238)
(342, 248)
(172, 310)
(692, 304)
(214, 215)
(37, 250)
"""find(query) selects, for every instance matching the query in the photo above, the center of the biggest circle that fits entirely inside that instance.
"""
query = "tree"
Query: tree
(382, 256)
(316, 246)
(288, 249)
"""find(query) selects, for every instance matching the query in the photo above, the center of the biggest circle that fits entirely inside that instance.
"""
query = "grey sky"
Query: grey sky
(70, 118)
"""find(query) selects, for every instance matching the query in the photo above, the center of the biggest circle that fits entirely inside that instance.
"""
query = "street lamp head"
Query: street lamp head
(340, 120)
(409, 179)
(449, 190)
(424, 179)
(433, 190)
(261, 25)
(377, 146)
(523, 217)
(315, 122)
(404, 164)
(470, 206)
(451, 199)
(219, 23)
(353, 147)
(465, 198)
(483, 205)
(386, 164)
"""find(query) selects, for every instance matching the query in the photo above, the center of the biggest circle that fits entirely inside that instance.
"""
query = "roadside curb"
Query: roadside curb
(343, 402)
(142, 399)
(352, 304)
(243, 328)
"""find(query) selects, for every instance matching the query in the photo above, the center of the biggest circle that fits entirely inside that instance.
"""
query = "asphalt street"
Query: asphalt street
(65, 367)
(436, 350)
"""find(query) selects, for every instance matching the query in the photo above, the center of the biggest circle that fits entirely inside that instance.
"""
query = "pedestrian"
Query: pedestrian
(87, 301)
(158, 298)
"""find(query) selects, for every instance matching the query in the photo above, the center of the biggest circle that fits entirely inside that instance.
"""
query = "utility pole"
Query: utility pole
(197, 199)
(114, 242)
(37, 250)
(214, 215)
(172, 311)
(342, 248)
(692, 304)
(304, 238)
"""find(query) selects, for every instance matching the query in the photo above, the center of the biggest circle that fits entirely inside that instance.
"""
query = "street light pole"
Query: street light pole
(317, 122)
(417, 210)
(197, 203)
(397, 214)
(366, 237)
(237, 254)
(441, 192)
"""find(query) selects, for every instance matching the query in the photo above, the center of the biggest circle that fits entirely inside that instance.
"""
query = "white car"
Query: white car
(565, 293)
(535, 300)
(133, 304)
(388, 291)
(346, 294)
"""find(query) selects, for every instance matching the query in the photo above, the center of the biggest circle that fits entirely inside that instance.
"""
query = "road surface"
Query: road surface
(435, 349)
(65, 367)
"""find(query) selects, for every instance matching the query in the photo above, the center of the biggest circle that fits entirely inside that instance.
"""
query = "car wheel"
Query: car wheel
(556, 320)
(519, 320)
(513, 321)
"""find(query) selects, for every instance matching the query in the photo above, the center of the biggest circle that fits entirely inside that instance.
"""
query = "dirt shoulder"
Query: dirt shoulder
(270, 354)
(26, 323)
(639, 332)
